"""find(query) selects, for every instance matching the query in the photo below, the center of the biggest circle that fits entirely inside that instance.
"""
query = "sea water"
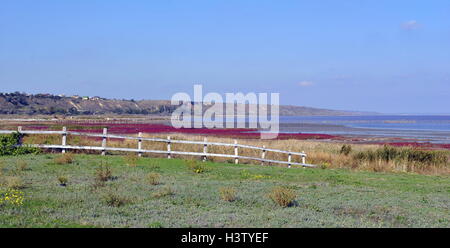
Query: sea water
(433, 128)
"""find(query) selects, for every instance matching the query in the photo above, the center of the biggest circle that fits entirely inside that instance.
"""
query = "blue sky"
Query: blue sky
(387, 56)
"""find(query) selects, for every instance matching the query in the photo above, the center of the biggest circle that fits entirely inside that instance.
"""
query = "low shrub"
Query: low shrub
(324, 165)
(66, 158)
(63, 180)
(426, 157)
(113, 199)
(368, 155)
(346, 150)
(166, 191)
(9, 145)
(227, 194)
(196, 166)
(282, 196)
(103, 173)
(390, 153)
(153, 178)
(96, 185)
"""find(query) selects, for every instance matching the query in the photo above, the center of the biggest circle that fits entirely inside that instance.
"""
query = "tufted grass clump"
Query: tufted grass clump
(346, 150)
(153, 178)
(390, 153)
(66, 158)
(63, 180)
(166, 191)
(282, 196)
(14, 182)
(228, 194)
(407, 158)
(113, 199)
(103, 173)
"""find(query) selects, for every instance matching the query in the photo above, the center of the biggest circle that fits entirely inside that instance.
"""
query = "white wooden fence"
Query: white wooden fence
(169, 152)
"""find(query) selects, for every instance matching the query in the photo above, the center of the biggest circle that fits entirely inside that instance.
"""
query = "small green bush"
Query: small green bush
(63, 180)
(9, 145)
(346, 150)
(390, 153)
(196, 166)
(324, 165)
(428, 157)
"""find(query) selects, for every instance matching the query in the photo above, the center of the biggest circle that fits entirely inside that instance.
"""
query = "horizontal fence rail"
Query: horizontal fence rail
(104, 148)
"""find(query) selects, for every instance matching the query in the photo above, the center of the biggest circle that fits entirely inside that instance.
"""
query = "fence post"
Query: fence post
(168, 147)
(19, 130)
(105, 133)
(64, 139)
(205, 149)
(236, 159)
(140, 144)
(263, 155)
(303, 158)
(289, 159)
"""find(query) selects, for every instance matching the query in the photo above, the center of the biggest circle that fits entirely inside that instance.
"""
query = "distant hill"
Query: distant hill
(289, 110)
(47, 104)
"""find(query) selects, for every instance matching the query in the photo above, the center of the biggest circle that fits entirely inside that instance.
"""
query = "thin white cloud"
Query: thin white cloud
(410, 25)
(305, 83)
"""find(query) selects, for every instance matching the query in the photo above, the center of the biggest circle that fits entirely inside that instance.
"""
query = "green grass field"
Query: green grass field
(324, 197)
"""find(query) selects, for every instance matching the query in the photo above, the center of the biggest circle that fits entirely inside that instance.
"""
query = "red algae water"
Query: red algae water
(133, 128)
